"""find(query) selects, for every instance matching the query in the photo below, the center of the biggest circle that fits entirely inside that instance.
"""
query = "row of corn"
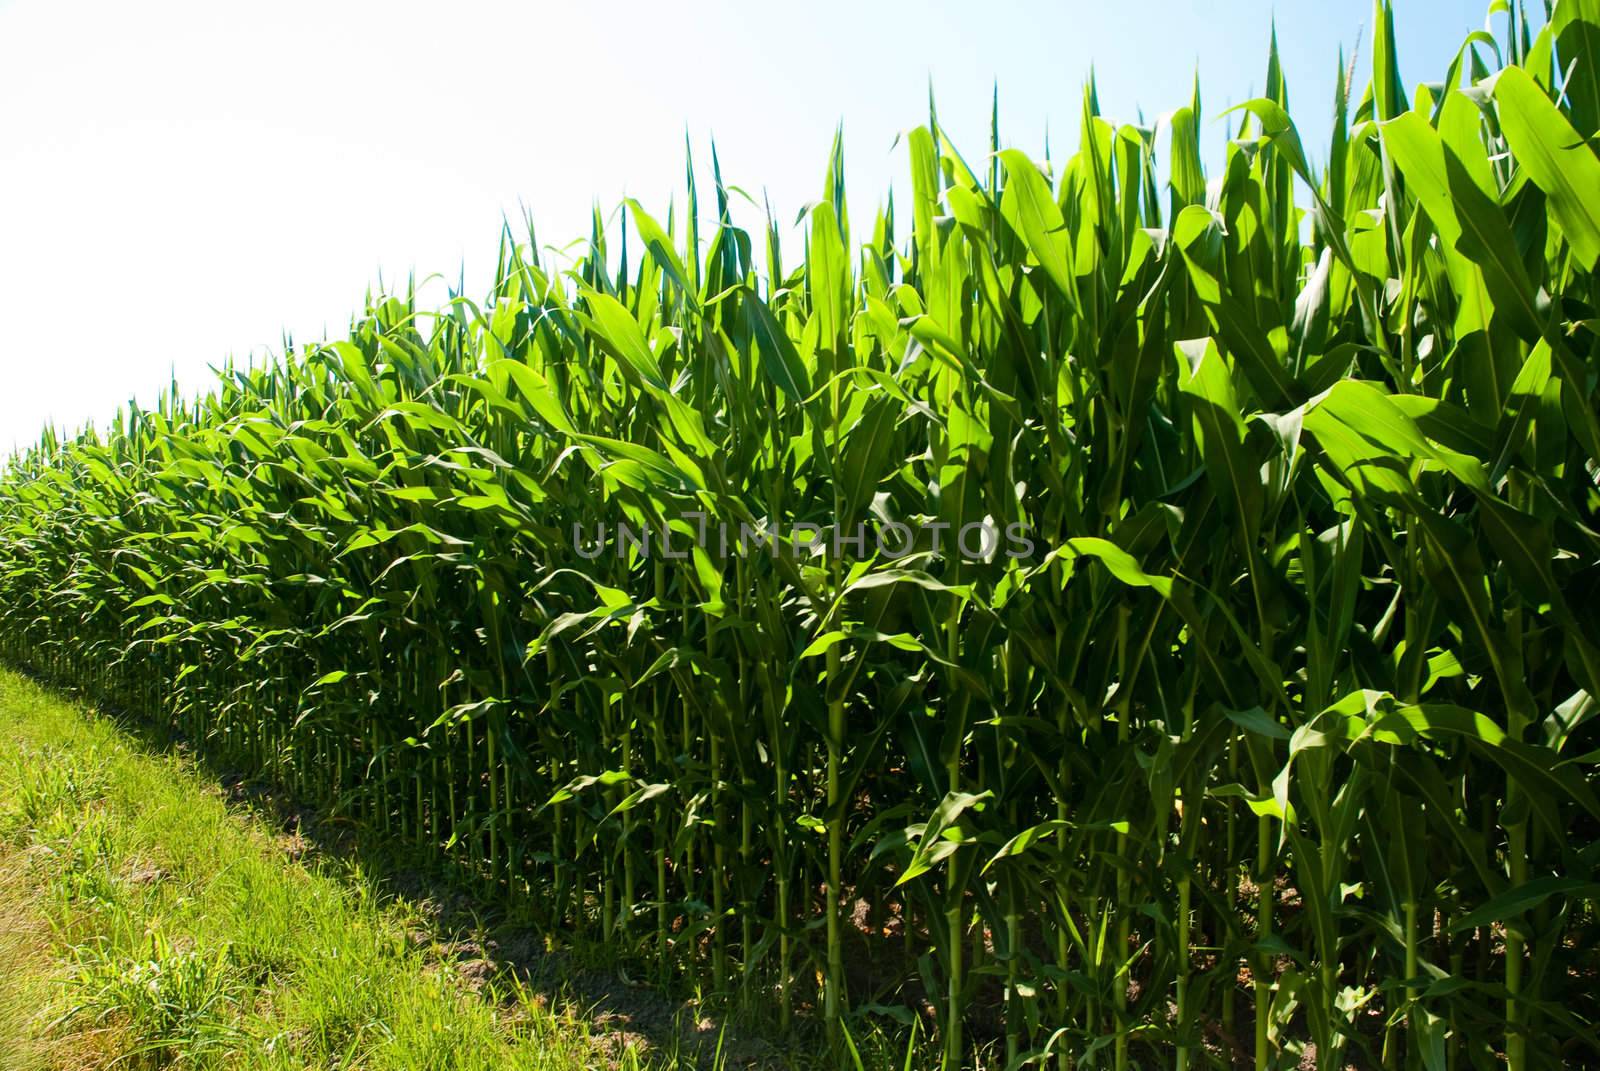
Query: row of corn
(1272, 743)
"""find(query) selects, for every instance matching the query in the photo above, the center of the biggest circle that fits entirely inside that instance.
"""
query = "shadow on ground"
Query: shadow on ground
(495, 952)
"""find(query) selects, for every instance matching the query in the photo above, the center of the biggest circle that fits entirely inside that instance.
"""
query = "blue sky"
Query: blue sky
(182, 181)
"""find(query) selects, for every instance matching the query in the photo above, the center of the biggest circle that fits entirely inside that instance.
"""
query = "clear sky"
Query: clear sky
(181, 182)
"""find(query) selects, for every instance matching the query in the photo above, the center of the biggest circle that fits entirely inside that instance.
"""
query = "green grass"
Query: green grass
(147, 924)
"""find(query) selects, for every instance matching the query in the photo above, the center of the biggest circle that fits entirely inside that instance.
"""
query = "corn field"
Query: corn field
(1277, 750)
